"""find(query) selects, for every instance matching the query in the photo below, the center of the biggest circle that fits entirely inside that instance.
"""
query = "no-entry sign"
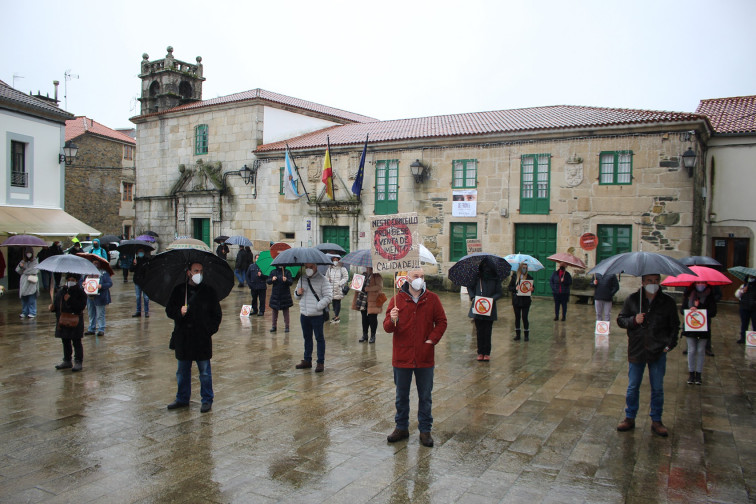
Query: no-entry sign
(696, 320)
(588, 241)
(395, 243)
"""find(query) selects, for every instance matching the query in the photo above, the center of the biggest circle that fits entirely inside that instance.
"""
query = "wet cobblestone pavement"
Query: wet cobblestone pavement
(536, 424)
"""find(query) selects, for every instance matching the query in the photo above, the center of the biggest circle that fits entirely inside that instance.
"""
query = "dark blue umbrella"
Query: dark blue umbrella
(300, 255)
(465, 271)
(331, 247)
(242, 241)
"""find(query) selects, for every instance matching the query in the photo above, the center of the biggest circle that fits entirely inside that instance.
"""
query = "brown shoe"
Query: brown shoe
(397, 435)
(626, 425)
(305, 364)
(319, 367)
(426, 439)
(659, 429)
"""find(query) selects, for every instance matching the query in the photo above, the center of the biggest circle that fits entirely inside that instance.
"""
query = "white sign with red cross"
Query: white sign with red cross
(695, 320)
(602, 327)
(246, 310)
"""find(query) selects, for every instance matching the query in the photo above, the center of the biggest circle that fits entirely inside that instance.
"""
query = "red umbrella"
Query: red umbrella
(569, 259)
(97, 261)
(704, 274)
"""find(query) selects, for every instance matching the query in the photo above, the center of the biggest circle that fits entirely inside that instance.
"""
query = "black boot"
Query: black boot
(363, 339)
(372, 338)
(527, 334)
(691, 378)
(698, 379)
(517, 335)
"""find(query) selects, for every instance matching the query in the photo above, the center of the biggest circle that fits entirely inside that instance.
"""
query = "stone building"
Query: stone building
(529, 180)
(100, 181)
(731, 160)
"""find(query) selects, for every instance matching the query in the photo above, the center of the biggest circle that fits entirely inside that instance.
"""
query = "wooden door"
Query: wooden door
(731, 252)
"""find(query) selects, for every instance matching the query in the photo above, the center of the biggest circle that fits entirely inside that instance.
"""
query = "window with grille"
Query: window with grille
(200, 139)
(19, 176)
(616, 167)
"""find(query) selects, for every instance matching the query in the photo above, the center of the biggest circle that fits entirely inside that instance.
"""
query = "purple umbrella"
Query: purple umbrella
(146, 237)
(24, 241)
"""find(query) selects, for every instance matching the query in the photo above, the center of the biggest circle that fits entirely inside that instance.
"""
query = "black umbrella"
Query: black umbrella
(701, 261)
(109, 239)
(639, 264)
(331, 247)
(220, 239)
(130, 247)
(152, 233)
(465, 271)
(301, 255)
(167, 270)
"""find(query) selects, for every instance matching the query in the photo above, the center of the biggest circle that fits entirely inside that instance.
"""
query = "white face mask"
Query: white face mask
(309, 272)
(700, 288)
(652, 288)
(418, 284)
(28, 256)
(70, 284)
(197, 278)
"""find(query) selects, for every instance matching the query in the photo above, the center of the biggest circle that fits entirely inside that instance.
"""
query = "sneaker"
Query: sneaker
(426, 439)
(486, 358)
(177, 405)
(22, 316)
(659, 429)
(205, 407)
(397, 435)
(626, 425)
(698, 379)
(137, 314)
(34, 316)
(480, 357)
(691, 378)
(100, 333)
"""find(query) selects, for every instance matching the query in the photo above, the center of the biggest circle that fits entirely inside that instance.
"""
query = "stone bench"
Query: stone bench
(583, 296)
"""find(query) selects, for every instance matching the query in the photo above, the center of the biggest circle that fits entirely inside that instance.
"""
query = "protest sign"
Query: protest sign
(395, 242)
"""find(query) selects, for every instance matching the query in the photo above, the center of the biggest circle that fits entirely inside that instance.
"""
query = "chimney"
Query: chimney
(56, 84)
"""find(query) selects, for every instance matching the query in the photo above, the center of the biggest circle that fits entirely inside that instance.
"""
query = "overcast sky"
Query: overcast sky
(390, 59)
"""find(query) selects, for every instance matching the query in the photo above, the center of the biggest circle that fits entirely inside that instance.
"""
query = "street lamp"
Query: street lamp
(69, 153)
(418, 171)
(689, 160)
(248, 174)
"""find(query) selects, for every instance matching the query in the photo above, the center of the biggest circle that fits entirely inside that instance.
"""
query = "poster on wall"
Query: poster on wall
(464, 202)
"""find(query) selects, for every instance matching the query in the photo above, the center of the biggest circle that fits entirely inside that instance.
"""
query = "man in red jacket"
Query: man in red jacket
(418, 321)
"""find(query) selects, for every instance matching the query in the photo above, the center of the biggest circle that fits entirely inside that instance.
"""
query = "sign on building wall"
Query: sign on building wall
(396, 246)
(474, 245)
(464, 202)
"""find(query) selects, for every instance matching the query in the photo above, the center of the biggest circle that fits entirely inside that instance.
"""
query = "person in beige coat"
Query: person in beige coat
(369, 302)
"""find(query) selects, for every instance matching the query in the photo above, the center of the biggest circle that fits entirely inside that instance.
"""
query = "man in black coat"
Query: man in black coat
(652, 324)
(196, 312)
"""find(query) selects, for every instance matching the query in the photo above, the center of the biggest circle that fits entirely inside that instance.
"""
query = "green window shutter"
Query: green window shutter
(616, 168)
(465, 174)
(200, 139)
(386, 187)
(280, 180)
(613, 240)
(460, 232)
(535, 184)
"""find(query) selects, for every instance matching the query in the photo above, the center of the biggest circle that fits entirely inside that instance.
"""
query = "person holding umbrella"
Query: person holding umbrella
(280, 295)
(69, 303)
(27, 287)
(196, 313)
(746, 295)
(338, 276)
(521, 299)
(699, 296)
(140, 260)
(560, 282)
(650, 317)
(487, 284)
(314, 298)
(256, 282)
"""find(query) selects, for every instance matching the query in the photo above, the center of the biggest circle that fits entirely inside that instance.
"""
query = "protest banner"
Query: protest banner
(395, 242)
(474, 245)
(695, 320)
(245, 310)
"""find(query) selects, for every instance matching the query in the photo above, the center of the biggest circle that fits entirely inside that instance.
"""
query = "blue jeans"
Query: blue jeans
(184, 380)
(656, 370)
(240, 275)
(424, 384)
(139, 295)
(29, 305)
(696, 354)
(310, 325)
(96, 316)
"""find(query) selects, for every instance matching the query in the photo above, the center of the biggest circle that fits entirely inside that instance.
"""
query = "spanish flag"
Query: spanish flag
(328, 171)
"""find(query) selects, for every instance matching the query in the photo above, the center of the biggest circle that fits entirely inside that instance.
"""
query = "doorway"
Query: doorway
(538, 240)
(731, 252)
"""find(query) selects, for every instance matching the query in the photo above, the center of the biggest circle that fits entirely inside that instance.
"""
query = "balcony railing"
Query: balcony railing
(19, 179)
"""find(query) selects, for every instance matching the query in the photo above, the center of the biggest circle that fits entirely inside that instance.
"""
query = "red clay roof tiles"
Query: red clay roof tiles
(81, 125)
(730, 115)
(481, 123)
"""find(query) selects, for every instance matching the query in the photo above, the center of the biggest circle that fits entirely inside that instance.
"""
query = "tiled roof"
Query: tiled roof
(481, 123)
(16, 100)
(80, 125)
(730, 115)
(262, 94)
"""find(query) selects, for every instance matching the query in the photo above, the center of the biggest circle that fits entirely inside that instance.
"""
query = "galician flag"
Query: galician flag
(357, 186)
(290, 179)
(328, 171)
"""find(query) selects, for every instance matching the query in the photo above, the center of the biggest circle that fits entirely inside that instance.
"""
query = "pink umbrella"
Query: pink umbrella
(704, 274)
(569, 259)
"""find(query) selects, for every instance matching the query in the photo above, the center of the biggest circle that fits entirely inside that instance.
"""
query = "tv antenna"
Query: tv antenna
(68, 76)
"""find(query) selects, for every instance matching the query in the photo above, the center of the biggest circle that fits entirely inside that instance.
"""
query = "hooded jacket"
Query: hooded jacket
(338, 276)
(309, 306)
(28, 270)
(646, 342)
(417, 322)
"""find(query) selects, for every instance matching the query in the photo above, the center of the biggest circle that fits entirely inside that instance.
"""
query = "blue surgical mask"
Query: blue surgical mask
(140, 254)
(700, 287)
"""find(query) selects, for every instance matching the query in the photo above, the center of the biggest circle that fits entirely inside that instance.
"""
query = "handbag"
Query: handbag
(345, 289)
(32, 278)
(67, 319)
(381, 299)
(326, 313)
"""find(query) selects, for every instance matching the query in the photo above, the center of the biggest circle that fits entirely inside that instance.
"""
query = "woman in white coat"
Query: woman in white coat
(338, 275)
(27, 286)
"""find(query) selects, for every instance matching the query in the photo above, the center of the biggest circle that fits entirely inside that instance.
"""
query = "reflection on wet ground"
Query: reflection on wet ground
(536, 424)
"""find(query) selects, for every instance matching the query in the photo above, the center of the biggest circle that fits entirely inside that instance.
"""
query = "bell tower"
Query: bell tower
(168, 83)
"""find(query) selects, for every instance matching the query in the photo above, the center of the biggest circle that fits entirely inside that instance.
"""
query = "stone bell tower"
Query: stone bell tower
(168, 83)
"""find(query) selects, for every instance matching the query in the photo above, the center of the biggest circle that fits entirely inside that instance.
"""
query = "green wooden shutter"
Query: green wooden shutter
(386, 187)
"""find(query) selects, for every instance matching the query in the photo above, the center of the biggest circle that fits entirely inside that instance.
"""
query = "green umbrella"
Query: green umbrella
(264, 263)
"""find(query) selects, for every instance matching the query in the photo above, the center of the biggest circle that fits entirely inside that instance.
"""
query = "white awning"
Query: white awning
(47, 222)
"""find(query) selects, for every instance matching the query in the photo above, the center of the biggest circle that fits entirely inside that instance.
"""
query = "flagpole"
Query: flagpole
(296, 168)
(362, 180)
